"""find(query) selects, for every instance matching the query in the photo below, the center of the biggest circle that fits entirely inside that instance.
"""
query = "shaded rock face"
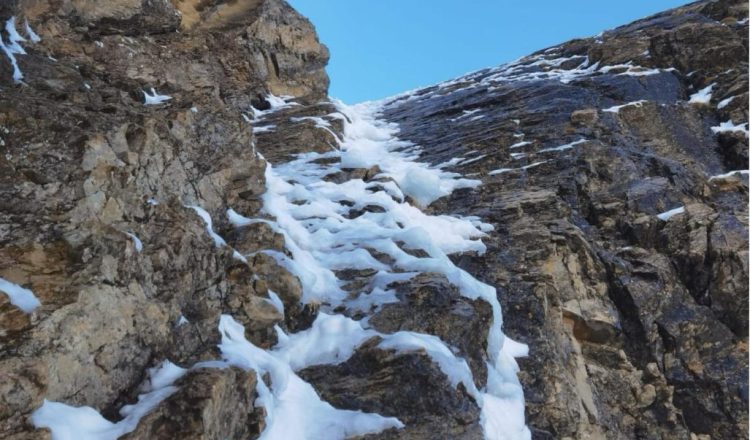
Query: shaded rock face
(408, 386)
(637, 326)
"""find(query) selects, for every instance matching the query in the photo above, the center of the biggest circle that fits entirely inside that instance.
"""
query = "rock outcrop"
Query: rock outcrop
(613, 170)
(637, 325)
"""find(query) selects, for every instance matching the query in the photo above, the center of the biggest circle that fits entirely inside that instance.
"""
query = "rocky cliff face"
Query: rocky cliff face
(188, 290)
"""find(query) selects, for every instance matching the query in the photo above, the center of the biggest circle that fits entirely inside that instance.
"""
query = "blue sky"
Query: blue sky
(383, 47)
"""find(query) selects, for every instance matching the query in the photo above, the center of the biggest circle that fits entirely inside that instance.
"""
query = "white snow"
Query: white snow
(163, 376)
(20, 297)
(85, 423)
(729, 127)
(263, 128)
(203, 214)
(11, 48)
(520, 144)
(563, 147)
(473, 159)
(293, 408)
(154, 98)
(30, 32)
(194, 109)
(533, 165)
(501, 171)
(331, 340)
(322, 235)
(616, 108)
(455, 368)
(666, 215)
(728, 174)
(724, 102)
(368, 141)
(274, 299)
(312, 215)
(702, 96)
(464, 114)
(508, 170)
(276, 103)
(136, 241)
(14, 38)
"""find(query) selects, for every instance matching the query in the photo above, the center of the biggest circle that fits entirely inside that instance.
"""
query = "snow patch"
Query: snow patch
(85, 423)
(702, 96)
(730, 127)
(154, 98)
(136, 241)
(520, 144)
(30, 32)
(20, 297)
(12, 47)
(563, 147)
(724, 102)
(728, 174)
(666, 215)
(616, 109)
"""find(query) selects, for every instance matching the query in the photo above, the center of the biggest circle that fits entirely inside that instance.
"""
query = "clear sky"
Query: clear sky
(383, 47)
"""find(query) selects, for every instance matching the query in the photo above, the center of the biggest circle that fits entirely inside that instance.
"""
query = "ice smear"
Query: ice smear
(725, 102)
(30, 32)
(520, 144)
(12, 48)
(728, 174)
(563, 147)
(616, 108)
(85, 423)
(264, 128)
(20, 297)
(523, 168)
(666, 215)
(702, 96)
(14, 38)
(137, 243)
(274, 299)
(154, 98)
(472, 160)
(203, 214)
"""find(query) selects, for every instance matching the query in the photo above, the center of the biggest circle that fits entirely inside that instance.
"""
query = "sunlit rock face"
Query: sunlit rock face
(196, 243)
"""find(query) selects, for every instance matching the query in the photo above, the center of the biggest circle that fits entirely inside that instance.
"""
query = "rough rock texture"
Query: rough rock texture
(209, 404)
(408, 386)
(84, 162)
(637, 326)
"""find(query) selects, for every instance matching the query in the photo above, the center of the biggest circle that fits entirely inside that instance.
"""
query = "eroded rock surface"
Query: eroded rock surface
(637, 326)
(636, 320)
